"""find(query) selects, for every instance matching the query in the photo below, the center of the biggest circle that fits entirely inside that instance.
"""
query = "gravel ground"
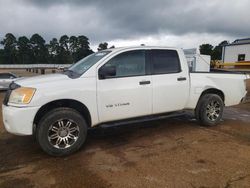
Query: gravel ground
(175, 152)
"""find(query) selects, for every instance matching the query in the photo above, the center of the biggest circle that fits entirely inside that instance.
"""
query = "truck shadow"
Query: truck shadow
(17, 152)
(123, 135)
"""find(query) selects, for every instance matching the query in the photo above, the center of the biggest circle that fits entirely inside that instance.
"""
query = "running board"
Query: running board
(139, 120)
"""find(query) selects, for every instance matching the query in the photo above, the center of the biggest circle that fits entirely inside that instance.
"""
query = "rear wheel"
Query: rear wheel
(61, 132)
(209, 109)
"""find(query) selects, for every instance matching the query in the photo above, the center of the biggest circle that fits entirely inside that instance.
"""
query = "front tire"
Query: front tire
(61, 131)
(209, 109)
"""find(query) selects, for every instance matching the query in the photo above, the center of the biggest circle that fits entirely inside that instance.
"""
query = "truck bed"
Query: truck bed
(229, 82)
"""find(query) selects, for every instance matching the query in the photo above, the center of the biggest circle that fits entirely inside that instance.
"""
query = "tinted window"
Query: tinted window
(130, 63)
(165, 61)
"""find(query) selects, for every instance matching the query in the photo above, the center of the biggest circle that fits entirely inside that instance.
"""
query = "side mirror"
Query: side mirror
(105, 72)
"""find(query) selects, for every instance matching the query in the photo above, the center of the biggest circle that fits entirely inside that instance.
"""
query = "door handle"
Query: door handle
(144, 82)
(181, 79)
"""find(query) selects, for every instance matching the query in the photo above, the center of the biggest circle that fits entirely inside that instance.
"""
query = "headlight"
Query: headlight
(22, 95)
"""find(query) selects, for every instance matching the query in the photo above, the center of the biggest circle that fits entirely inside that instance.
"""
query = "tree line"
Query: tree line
(35, 50)
(65, 50)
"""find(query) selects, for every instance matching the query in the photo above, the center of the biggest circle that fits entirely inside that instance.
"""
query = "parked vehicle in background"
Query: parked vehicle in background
(114, 87)
(6, 79)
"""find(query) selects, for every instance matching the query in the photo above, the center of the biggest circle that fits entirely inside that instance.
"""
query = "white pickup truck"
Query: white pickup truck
(115, 86)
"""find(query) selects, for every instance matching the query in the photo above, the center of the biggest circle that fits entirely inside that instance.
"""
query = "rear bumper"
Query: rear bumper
(19, 121)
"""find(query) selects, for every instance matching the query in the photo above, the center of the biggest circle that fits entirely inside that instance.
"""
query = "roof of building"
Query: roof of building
(239, 42)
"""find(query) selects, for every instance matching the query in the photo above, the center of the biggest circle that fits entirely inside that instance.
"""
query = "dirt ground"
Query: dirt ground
(175, 152)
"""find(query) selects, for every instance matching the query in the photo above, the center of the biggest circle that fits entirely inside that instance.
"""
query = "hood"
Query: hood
(35, 80)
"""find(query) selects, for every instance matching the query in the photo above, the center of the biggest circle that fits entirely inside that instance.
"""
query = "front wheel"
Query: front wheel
(61, 132)
(209, 109)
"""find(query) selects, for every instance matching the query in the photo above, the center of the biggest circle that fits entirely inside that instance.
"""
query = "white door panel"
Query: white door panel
(170, 81)
(169, 94)
(121, 98)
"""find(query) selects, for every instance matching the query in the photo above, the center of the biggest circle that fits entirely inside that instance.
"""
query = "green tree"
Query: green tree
(102, 46)
(39, 49)
(73, 46)
(83, 48)
(10, 49)
(36, 50)
(83, 42)
(64, 42)
(206, 49)
(24, 50)
(2, 56)
(53, 49)
(217, 51)
(64, 56)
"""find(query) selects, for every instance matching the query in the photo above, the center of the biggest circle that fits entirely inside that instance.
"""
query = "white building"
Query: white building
(237, 51)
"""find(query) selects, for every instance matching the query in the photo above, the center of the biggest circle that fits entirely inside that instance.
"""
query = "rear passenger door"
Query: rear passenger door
(169, 82)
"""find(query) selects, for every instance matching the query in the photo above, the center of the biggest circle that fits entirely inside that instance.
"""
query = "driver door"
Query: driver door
(128, 94)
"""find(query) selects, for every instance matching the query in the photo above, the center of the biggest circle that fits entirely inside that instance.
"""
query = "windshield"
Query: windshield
(84, 64)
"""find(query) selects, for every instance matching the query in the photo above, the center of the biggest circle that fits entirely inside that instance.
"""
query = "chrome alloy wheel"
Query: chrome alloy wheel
(63, 133)
(213, 110)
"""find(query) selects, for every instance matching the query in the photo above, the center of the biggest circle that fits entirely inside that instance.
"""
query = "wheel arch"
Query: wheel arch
(212, 91)
(70, 103)
(199, 113)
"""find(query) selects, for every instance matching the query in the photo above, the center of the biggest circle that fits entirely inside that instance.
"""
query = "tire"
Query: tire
(209, 110)
(61, 131)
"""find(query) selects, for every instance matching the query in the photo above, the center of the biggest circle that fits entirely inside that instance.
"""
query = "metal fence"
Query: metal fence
(34, 66)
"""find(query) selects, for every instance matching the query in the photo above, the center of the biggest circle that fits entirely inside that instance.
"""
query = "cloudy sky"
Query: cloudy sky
(182, 23)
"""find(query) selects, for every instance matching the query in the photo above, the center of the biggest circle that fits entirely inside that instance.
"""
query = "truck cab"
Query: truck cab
(141, 82)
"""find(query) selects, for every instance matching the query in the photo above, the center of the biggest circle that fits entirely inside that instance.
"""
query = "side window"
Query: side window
(131, 63)
(165, 61)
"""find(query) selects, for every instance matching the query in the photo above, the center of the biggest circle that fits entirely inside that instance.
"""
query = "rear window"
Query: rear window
(165, 61)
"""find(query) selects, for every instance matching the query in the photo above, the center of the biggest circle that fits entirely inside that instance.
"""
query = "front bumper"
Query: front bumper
(19, 120)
